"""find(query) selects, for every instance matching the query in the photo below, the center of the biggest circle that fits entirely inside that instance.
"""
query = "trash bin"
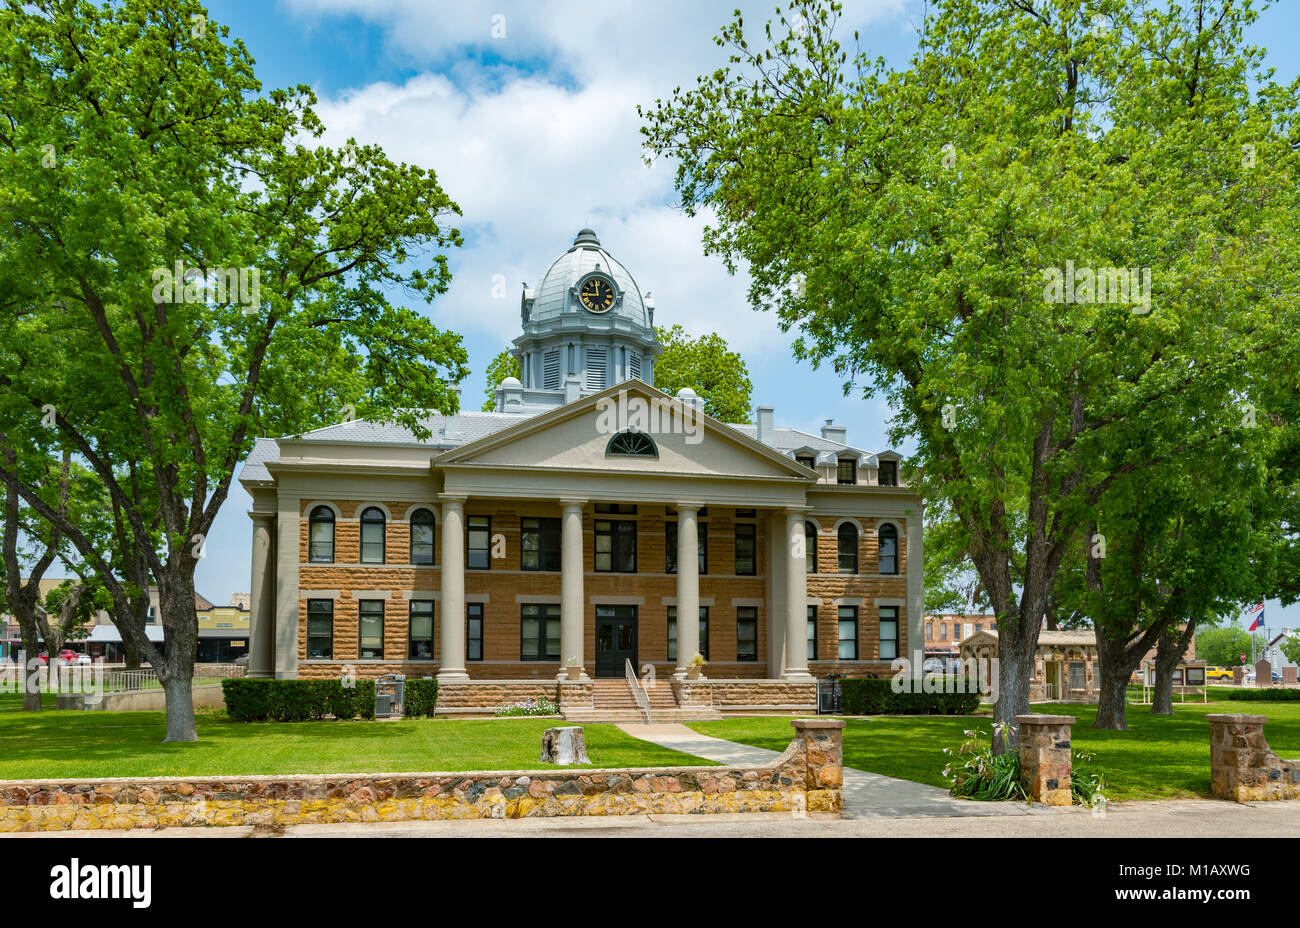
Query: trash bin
(828, 694)
(390, 693)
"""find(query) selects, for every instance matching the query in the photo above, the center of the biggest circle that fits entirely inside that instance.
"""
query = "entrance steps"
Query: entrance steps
(612, 701)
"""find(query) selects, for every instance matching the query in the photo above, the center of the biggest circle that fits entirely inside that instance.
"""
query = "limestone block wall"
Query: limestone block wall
(806, 778)
(737, 695)
(1242, 765)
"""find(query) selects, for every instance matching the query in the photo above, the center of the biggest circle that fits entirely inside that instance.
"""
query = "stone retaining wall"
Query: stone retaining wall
(747, 695)
(806, 778)
(1242, 765)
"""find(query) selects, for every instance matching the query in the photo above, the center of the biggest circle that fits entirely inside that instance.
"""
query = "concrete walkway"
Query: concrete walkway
(866, 795)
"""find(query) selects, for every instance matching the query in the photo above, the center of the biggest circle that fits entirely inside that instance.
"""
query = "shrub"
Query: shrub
(299, 700)
(977, 773)
(421, 698)
(1264, 694)
(867, 696)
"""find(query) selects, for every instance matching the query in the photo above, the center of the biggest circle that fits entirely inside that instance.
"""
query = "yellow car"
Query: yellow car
(1218, 673)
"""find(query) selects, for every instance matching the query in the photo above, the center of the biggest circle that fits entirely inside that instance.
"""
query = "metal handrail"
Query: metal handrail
(638, 692)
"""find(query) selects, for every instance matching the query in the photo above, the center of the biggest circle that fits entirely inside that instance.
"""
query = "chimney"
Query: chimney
(833, 432)
(766, 431)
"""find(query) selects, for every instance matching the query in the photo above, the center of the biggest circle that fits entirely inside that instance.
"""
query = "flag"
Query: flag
(1258, 613)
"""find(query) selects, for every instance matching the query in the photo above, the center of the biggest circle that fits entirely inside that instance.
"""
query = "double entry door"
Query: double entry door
(615, 639)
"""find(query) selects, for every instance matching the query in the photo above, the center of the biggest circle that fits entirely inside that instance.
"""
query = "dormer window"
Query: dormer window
(807, 460)
(847, 472)
(632, 445)
(888, 473)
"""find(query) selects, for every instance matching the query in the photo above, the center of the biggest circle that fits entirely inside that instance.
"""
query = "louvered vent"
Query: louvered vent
(595, 368)
(634, 365)
(551, 370)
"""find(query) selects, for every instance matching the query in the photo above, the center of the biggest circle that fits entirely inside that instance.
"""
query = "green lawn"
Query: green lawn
(1159, 757)
(98, 744)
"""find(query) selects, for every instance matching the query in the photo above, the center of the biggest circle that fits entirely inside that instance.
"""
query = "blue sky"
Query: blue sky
(526, 109)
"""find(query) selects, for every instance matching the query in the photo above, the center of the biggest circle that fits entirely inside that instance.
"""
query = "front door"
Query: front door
(615, 639)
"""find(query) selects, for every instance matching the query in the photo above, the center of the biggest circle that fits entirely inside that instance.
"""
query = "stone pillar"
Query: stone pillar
(823, 747)
(261, 602)
(1263, 672)
(1243, 767)
(451, 662)
(915, 587)
(796, 598)
(688, 586)
(572, 610)
(1045, 757)
(287, 553)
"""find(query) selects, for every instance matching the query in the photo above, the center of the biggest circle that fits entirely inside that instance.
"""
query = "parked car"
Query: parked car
(1218, 673)
(67, 655)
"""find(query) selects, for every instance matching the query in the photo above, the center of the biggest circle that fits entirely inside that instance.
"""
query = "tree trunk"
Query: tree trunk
(1115, 665)
(31, 680)
(1169, 651)
(130, 655)
(181, 631)
(1015, 670)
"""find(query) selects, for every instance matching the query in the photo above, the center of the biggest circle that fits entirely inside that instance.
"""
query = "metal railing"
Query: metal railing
(638, 692)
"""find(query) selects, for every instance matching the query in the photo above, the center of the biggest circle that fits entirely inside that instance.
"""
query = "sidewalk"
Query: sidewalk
(866, 795)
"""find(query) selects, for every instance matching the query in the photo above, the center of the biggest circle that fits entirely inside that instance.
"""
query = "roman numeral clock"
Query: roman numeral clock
(597, 294)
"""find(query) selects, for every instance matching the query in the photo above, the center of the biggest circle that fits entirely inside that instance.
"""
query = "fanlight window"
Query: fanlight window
(632, 444)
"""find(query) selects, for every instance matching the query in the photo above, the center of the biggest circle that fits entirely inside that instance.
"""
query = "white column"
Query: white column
(572, 611)
(451, 662)
(287, 552)
(776, 595)
(914, 647)
(261, 601)
(688, 587)
(796, 599)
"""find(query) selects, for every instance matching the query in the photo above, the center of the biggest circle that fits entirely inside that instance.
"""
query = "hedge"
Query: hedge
(867, 696)
(1264, 694)
(299, 700)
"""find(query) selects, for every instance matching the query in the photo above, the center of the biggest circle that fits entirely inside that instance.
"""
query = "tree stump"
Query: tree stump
(564, 746)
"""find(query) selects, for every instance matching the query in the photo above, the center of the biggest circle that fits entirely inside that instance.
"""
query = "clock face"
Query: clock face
(597, 295)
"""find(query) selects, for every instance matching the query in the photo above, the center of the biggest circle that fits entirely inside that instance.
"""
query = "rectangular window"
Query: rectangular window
(320, 629)
(745, 513)
(421, 629)
(478, 541)
(746, 563)
(670, 546)
(539, 632)
(807, 461)
(848, 621)
(370, 629)
(615, 546)
(617, 509)
(473, 631)
(929, 631)
(888, 633)
(746, 633)
(672, 632)
(422, 527)
(812, 633)
(539, 544)
(847, 472)
(888, 473)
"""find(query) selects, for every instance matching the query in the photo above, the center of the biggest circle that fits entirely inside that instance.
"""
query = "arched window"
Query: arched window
(810, 546)
(372, 536)
(632, 444)
(320, 535)
(888, 549)
(422, 537)
(848, 548)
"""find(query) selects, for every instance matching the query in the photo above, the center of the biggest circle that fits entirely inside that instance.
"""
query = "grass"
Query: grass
(1159, 757)
(53, 744)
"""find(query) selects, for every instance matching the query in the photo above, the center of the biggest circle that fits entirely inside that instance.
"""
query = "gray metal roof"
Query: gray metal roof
(788, 440)
(586, 255)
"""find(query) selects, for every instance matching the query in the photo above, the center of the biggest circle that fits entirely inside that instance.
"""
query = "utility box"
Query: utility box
(390, 693)
(828, 694)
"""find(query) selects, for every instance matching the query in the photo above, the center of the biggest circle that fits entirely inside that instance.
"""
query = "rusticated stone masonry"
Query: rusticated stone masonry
(1242, 765)
(1045, 760)
(806, 778)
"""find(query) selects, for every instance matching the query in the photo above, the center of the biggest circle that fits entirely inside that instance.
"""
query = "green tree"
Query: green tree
(1291, 648)
(503, 365)
(707, 366)
(919, 229)
(1223, 647)
(184, 269)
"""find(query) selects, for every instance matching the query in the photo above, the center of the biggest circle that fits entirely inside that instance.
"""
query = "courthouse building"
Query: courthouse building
(589, 526)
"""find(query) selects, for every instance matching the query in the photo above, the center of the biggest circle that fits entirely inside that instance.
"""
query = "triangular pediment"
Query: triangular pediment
(577, 436)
